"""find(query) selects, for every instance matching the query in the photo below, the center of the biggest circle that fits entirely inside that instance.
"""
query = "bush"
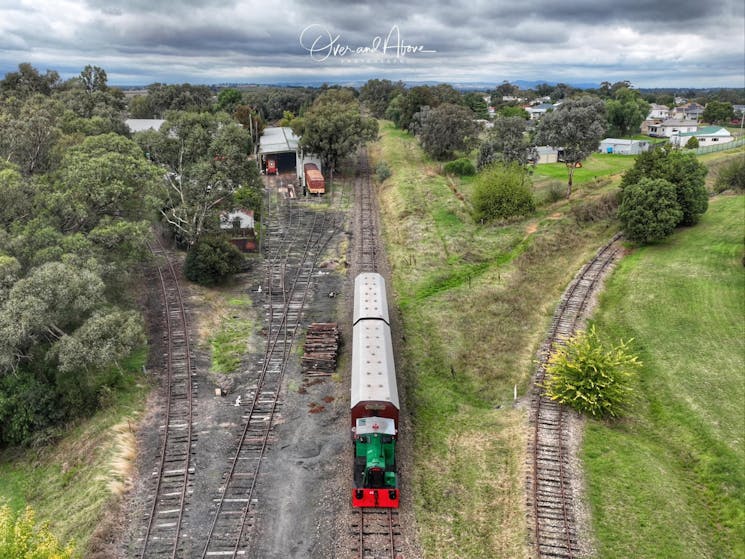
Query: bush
(502, 191)
(590, 377)
(649, 210)
(556, 191)
(692, 143)
(382, 171)
(597, 209)
(22, 538)
(212, 260)
(731, 176)
(462, 167)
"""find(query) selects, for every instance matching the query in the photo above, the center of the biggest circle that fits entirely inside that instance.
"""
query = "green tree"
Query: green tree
(334, 128)
(446, 129)
(649, 210)
(576, 128)
(513, 111)
(21, 537)
(228, 99)
(376, 94)
(626, 111)
(718, 112)
(507, 141)
(692, 143)
(211, 260)
(502, 191)
(591, 377)
(475, 102)
(683, 170)
(27, 81)
(206, 161)
(94, 79)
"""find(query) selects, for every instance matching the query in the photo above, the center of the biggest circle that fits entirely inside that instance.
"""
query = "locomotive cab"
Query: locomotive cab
(375, 463)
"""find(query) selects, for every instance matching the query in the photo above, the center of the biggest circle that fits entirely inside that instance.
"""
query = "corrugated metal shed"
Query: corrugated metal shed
(142, 124)
(278, 139)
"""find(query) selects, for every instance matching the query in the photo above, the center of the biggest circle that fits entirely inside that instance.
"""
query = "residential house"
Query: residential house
(537, 111)
(672, 126)
(689, 111)
(623, 147)
(706, 136)
(658, 112)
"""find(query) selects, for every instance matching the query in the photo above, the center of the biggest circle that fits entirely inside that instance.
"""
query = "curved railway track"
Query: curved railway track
(295, 242)
(166, 515)
(376, 532)
(550, 491)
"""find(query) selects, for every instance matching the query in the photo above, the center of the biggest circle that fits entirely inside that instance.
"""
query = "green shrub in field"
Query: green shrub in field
(731, 176)
(589, 377)
(692, 143)
(21, 537)
(649, 210)
(462, 167)
(212, 260)
(382, 171)
(502, 191)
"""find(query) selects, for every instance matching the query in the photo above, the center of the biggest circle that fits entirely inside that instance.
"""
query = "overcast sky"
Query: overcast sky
(696, 43)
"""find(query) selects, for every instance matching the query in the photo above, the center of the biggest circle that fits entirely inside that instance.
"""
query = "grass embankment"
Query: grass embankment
(475, 301)
(670, 480)
(73, 484)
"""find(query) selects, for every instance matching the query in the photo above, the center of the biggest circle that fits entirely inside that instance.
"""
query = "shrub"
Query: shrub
(731, 176)
(590, 377)
(212, 260)
(462, 167)
(597, 209)
(382, 171)
(692, 143)
(21, 537)
(557, 190)
(649, 210)
(502, 191)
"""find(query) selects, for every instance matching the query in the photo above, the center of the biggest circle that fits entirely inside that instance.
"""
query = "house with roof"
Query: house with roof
(619, 146)
(706, 136)
(689, 111)
(671, 126)
(537, 111)
(660, 112)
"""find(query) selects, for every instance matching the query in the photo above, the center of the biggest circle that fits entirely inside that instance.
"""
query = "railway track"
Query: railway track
(367, 228)
(376, 532)
(173, 485)
(550, 491)
(296, 239)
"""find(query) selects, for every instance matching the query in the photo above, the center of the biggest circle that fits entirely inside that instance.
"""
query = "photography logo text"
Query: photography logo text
(322, 45)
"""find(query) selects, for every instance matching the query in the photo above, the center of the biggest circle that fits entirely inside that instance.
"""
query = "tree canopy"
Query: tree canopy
(576, 128)
(334, 128)
(507, 141)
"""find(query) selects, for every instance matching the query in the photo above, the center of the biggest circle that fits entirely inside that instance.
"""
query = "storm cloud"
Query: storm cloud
(682, 43)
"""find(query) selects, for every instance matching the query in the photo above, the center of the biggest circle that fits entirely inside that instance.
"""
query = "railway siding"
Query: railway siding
(552, 489)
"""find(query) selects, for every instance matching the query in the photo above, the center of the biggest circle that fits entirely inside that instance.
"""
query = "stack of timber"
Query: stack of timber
(321, 349)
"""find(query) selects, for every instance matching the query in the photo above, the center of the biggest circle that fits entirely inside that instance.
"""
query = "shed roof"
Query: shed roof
(142, 124)
(707, 131)
(278, 139)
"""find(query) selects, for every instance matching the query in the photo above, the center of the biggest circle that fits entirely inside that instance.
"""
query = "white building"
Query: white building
(706, 136)
(658, 112)
(619, 146)
(667, 128)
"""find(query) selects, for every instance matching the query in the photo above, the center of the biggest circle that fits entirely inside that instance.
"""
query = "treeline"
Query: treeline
(78, 198)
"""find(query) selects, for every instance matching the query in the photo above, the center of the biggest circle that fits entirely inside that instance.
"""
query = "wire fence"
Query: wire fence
(720, 147)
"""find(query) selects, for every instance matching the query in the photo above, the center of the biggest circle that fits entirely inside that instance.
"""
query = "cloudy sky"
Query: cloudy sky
(652, 43)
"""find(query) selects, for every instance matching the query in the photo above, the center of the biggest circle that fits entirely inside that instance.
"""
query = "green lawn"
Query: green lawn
(596, 166)
(475, 301)
(669, 481)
